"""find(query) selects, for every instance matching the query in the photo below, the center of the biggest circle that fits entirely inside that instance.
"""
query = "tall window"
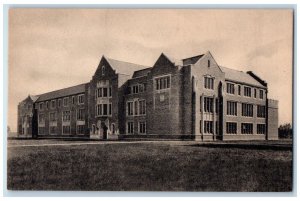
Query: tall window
(247, 91)
(135, 89)
(66, 101)
(261, 128)
(254, 93)
(66, 129)
(52, 116)
(66, 115)
(231, 108)
(142, 104)
(231, 127)
(41, 106)
(208, 63)
(129, 127)
(129, 108)
(80, 99)
(80, 114)
(261, 94)
(162, 82)
(103, 92)
(230, 88)
(53, 103)
(208, 127)
(208, 83)
(80, 129)
(104, 109)
(247, 128)
(239, 90)
(73, 100)
(208, 104)
(142, 127)
(247, 110)
(136, 107)
(47, 105)
(41, 118)
(59, 103)
(261, 111)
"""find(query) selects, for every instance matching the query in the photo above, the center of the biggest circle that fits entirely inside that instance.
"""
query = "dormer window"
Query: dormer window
(103, 70)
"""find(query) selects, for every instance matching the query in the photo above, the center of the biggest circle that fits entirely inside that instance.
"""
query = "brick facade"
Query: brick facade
(194, 98)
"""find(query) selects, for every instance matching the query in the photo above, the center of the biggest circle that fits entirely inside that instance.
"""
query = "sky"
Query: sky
(51, 49)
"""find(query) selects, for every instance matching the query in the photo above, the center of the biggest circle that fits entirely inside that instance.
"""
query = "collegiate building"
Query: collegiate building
(194, 98)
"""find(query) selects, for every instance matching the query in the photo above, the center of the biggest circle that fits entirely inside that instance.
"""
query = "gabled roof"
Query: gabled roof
(175, 61)
(62, 92)
(240, 76)
(192, 60)
(141, 73)
(123, 67)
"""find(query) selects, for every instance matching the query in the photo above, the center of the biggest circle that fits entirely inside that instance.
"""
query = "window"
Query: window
(53, 129)
(208, 104)
(231, 108)
(103, 92)
(142, 88)
(129, 108)
(41, 118)
(142, 127)
(254, 93)
(59, 102)
(103, 109)
(208, 127)
(239, 89)
(80, 129)
(41, 106)
(261, 128)
(208, 83)
(247, 110)
(66, 101)
(53, 103)
(109, 91)
(136, 108)
(231, 127)
(142, 104)
(261, 111)
(162, 83)
(80, 114)
(261, 94)
(66, 129)
(247, 128)
(41, 130)
(135, 89)
(52, 116)
(47, 105)
(103, 70)
(129, 127)
(247, 91)
(208, 63)
(73, 100)
(81, 99)
(66, 115)
(230, 88)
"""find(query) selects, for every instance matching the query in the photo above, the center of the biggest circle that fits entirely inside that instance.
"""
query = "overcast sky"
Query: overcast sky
(51, 49)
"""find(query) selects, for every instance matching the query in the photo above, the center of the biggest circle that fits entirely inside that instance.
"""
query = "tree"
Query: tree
(285, 131)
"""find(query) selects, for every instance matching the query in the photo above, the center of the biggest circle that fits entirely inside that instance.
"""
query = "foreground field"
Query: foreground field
(149, 166)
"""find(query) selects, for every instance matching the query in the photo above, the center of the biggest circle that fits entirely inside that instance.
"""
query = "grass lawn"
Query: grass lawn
(152, 166)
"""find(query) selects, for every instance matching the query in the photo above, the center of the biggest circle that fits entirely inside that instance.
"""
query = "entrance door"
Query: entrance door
(104, 128)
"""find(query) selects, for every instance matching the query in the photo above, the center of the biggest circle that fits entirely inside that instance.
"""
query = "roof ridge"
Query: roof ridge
(63, 88)
(125, 62)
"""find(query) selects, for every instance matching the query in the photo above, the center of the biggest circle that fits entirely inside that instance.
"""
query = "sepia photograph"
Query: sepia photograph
(155, 100)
